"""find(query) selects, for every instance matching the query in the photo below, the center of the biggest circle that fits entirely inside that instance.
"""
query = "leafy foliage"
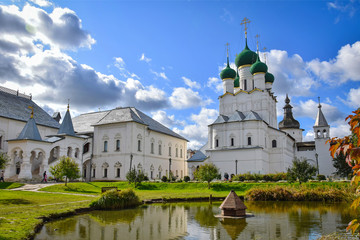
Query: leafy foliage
(114, 199)
(164, 179)
(343, 169)
(136, 177)
(66, 168)
(207, 172)
(4, 159)
(186, 178)
(320, 177)
(349, 146)
(301, 170)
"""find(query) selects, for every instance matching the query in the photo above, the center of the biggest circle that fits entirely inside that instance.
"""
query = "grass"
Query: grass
(21, 211)
(10, 185)
(150, 190)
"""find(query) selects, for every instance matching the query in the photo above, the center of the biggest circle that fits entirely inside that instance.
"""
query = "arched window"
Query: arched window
(159, 149)
(249, 140)
(324, 133)
(139, 145)
(216, 142)
(232, 142)
(318, 133)
(176, 152)
(117, 145)
(169, 151)
(118, 172)
(273, 143)
(105, 146)
(245, 87)
(152, 148)
(181, 153)
(105, 172)
(86, 148)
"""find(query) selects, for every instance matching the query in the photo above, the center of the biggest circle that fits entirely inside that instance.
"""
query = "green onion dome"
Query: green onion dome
(269, 78)
(236, 81)
(227, 72)
(246, 57)
(258, 67)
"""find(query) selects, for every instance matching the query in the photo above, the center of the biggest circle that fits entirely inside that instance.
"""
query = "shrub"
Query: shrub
(186, 178)
(320, 177)
(164, 179)
(116, 200)
(239, 177)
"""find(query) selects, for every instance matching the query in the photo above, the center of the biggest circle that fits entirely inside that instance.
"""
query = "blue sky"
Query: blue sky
(164, 57)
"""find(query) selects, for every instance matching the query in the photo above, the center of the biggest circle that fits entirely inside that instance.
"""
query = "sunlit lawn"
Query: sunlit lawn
(20, 210)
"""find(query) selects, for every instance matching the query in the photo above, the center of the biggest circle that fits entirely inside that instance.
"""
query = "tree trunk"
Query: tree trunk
(65, 181)
(208, 185)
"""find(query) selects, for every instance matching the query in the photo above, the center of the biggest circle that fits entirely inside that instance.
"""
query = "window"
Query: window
(249, 140)
(169, 151)
(105, 172)
(105, 146)
(94, 170)
(139, 145)
(151, 174)
(232, 141)
(159, 174)
(245, 85)
(176, 172)
(159, 149)
(118, 145)
(324, 132)
(273, 143)
(216, 142)
(84, 173)
(118, 172)
(86, 148)
(176, 152)
(181, 153)
(152, 148)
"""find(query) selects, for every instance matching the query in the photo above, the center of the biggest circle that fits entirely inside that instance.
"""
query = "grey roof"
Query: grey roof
(197, 157)
(66, 126)
(85, 122)
(252, 116)
(320, 119)
(52, 139)
(289, 121)
(16, 107)
(237, 116)
(30, 131)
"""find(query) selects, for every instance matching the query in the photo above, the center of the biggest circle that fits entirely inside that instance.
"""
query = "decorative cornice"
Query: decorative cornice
(243, 66)
(258, 73)
(228, 79)
(227, 93)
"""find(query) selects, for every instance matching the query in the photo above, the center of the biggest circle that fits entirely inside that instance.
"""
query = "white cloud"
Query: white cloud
(42, 3)
(216, 84)
(354, 98)
(191, 84)
(197, 133)
(152, 95)
(168, 121)
(159, 74)
(145, 59)
(345, 67)
(186, 98)
(119, 63)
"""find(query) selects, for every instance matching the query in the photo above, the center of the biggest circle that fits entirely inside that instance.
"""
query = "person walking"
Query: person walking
(44, 177)
(2, 176)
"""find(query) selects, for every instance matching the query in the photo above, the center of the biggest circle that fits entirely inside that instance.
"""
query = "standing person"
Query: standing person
(44, 177)
(2, 176)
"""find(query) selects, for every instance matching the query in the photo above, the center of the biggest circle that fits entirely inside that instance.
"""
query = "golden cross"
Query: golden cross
(68, 104)
(264, 49)
(257, 41)
(32, 111)
(244, 22)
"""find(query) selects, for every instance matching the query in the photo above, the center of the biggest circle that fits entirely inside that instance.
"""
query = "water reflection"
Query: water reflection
(273, 220)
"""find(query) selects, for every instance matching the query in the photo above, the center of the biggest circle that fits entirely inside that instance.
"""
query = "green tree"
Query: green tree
(343, 169)
(134, 176)
(4, 159)
(207, 172)
(301, 170)
(67, 168)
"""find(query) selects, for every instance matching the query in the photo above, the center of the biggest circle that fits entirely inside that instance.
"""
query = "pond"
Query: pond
(272, 220)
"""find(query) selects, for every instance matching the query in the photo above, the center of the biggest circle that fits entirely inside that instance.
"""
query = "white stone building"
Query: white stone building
(246, 137)
(104, 144)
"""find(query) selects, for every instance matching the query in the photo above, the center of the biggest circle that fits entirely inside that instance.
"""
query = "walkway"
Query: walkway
(37, 186)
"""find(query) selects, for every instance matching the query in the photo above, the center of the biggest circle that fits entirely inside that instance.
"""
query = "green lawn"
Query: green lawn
(20, 210)
(148, 190)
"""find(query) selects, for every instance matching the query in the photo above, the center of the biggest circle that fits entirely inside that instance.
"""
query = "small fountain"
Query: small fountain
(233, 207)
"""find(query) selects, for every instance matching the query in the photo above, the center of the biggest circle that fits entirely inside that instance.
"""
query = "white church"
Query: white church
(246, 137)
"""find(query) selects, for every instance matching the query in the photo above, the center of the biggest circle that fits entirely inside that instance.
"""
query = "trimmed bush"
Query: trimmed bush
(186, 178)
(164, 179)
(320, 177)
(113, 199)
